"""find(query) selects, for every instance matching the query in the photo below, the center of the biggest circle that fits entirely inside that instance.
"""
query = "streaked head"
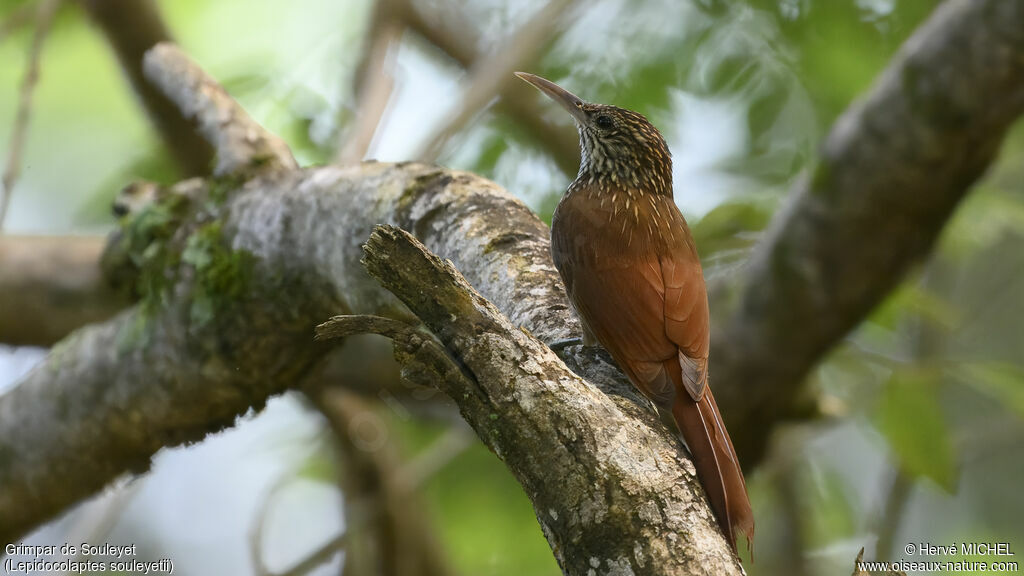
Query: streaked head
(618, 147)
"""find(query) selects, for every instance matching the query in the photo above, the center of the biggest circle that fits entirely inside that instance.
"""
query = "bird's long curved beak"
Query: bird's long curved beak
(568, 100)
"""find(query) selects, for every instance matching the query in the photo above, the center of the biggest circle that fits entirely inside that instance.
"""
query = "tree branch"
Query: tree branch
(623, 493)
(491, 74)
(453, 36)
(238, 275)
(45, 13)
(132, 27)
(50, 286)
(240, 143)
(373, 83)
(891, 172)
(387, 531)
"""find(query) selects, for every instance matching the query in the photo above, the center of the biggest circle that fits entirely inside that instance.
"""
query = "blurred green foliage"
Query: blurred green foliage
(909, 415)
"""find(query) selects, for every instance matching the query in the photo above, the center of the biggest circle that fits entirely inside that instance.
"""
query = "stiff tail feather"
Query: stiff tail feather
(715, 459)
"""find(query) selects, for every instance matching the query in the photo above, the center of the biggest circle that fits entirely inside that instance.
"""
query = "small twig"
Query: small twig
(492, 73)
(856, 564)
(318, 557)
(98, 519)
(389, 531)
(351, 325)
(241, 143)
(256, 532)
(306, 565)
(424, 360)
(45, 12)
(450, 35)
(374, 84)
(894, 508)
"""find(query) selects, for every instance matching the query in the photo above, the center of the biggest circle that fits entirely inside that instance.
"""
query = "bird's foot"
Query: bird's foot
(558, 345)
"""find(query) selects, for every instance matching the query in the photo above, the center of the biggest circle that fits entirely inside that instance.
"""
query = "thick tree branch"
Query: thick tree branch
(100, 405)
(622, 495)
(892, 170)
(132, 27)
(51, 286)
(238, 276)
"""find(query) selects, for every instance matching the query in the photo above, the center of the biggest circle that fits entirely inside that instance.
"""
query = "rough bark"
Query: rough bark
(112, 387)
(132, 27)
(624, 499)
(291, 240)
(891, 172)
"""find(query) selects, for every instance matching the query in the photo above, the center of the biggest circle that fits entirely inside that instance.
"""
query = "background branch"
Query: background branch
(387, 530)
(45, 13)
(373, 83)
(50, 286)
(451, 33)
(491, 74)
(292, 239)
(132, 27)
(891, 172)
(240, 143)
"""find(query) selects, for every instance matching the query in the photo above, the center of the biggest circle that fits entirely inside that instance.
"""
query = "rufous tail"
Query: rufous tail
(715, 459)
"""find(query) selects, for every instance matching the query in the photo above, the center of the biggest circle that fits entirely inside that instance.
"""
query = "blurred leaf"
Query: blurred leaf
(299, 113)
(724, 228)
(842, 46)
(1002, 382)
(914, 299)
(244, 83)
(319, 466)
(496, 143)
(910, 418)
(828, 509)
(765, 108)
(986, 217)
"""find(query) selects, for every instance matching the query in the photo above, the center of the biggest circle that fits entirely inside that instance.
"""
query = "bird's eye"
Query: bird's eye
(604, 121)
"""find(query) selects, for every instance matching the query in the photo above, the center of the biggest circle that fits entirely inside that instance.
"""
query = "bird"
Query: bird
(634, 278)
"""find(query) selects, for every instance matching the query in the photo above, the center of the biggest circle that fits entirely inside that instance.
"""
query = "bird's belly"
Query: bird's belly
(612, 275)
(584, 232)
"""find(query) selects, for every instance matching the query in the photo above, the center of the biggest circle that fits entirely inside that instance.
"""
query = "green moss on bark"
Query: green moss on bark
(222, 275)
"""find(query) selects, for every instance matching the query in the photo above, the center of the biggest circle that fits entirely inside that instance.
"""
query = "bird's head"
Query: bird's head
(618, 147)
